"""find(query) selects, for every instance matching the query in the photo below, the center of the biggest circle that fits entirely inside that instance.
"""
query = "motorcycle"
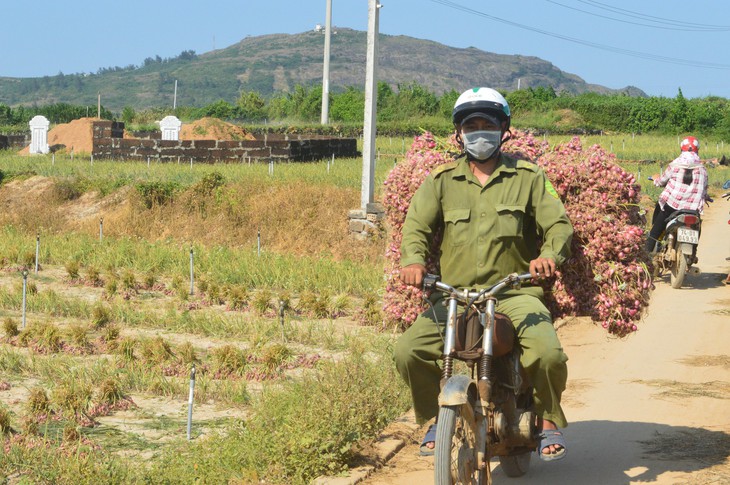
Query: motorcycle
(486, 411)
(677, 246)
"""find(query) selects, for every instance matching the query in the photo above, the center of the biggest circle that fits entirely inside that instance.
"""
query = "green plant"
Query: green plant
(37, 401)
(312, 304)
(157, 193)
(78, 335)
(150, 279)
(125, 348)
(72, 397)
(339, 305)
(4, 420)
(129, 281)
(371, 313)
(228, 360)
(101, 315)
(186, 353)
(10, 327)
(203, 284)
(214, 294)
(261, 301)
(72, 268)
(111, 333)
(70, 433)
(274, 355)
(28, 259)
(92, 275)
(182, 293)
(109, 391)
(110, 287)
(45, 335)
(237, 297)
(155, 351)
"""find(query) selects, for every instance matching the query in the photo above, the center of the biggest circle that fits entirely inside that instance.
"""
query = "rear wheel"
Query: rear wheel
(678, 270)
(516, 465)
(455, 456)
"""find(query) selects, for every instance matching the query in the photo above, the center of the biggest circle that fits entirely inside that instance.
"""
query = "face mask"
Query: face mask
(482, 144)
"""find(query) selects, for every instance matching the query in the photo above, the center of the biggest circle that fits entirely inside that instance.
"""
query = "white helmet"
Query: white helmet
(485, 101)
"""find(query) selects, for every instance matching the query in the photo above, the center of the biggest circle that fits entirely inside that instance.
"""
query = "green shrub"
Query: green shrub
(157, 193)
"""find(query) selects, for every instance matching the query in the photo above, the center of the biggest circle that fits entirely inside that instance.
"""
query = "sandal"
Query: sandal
(429, 438)
(551, 437)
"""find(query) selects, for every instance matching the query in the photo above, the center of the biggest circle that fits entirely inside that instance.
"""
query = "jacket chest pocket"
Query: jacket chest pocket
(510, 220)
(456, 226)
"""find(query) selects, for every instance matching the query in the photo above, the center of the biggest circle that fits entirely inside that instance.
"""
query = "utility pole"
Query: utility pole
(174, 97)
(326, 70)
(371, 104)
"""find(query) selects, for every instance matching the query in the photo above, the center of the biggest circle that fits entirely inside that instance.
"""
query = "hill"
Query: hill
(278, 62)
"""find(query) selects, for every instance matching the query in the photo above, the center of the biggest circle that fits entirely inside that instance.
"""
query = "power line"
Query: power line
(617, 50)
(683, 27)
(652, 18)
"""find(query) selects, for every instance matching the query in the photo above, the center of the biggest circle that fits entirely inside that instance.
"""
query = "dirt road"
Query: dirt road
(651, 408)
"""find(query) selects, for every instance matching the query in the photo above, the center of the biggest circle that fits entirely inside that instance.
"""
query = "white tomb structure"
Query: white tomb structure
(170, 126)
(39, 134)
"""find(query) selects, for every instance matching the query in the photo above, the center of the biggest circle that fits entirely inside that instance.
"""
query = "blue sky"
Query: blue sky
(656, 45)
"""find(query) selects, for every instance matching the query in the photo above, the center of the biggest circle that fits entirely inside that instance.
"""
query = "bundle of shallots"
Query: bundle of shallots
(605, 278)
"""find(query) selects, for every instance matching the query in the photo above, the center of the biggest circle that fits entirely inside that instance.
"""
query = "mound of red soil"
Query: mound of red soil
(213, 129)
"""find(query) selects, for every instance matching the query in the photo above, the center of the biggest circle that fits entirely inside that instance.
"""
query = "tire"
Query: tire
(455, 455)
(678, 270)
(516, 465)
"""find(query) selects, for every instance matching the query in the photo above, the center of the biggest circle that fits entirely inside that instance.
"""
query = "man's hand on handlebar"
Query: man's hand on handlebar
(412, 274)
(542, 268)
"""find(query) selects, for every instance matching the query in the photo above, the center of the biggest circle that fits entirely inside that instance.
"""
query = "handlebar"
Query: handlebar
(514, 281)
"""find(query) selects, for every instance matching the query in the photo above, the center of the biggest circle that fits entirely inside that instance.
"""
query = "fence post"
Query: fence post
(37, 250)
(192, 277)
(281, 319)
(101, 229)
(190, 401)
(25, 287)
(258, 243)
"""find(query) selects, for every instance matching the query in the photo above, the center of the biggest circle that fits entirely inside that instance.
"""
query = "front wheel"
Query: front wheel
(678, 269)
(455, 456)
(515, 465)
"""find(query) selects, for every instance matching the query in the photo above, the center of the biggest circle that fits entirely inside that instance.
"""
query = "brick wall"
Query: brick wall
(108, 143)
(14, 141)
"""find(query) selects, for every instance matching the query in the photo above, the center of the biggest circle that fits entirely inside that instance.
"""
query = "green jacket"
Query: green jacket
(490, 231)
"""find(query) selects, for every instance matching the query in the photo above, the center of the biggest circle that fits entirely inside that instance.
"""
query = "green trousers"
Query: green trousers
(418, 349)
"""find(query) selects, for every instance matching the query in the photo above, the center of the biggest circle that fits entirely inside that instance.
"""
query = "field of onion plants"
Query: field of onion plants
(121, 281)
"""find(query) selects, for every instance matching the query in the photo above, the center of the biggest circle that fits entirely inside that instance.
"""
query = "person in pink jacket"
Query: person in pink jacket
(685, 188)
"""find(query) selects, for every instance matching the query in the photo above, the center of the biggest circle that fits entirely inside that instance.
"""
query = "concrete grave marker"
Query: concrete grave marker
(170, 126)
(39, 134)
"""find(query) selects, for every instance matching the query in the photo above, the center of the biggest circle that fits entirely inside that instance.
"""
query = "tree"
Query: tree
(128, 114)
(348, 106)
(251, 105)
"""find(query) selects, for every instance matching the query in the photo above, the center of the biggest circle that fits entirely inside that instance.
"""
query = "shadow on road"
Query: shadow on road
(703, 281)
(607, 452)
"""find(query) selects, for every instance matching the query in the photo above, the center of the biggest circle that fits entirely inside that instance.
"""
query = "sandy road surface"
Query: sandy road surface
(651, 408)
